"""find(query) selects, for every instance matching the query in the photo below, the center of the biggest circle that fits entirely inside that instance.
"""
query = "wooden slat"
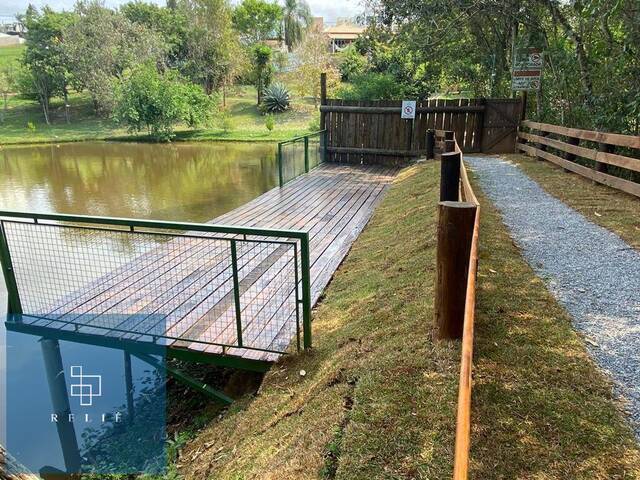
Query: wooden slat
(598, 156)
(629, 141)
(600, 177)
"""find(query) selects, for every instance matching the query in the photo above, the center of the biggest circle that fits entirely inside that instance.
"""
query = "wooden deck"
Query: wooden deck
(188, 281)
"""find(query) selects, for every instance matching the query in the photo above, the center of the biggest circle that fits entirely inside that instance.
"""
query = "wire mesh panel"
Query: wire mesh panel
(200, 290)
(300, 155)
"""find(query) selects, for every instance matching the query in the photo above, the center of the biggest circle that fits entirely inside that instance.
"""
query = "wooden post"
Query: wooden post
(449, 141)
(541, 146)
(604, 148)
(430, 143)
(571, 157)
(323, 99)
(450, 177)
(455, 232)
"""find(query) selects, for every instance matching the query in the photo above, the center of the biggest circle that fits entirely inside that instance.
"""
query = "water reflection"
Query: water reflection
(182, 181)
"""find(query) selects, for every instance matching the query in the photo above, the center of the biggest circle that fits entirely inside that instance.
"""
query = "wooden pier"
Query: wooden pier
(244, 304)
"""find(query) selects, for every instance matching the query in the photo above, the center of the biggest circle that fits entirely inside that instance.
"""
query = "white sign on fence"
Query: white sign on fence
(409, 109)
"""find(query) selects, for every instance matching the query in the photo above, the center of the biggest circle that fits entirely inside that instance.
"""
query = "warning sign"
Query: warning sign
(409, 109)
(527, 69)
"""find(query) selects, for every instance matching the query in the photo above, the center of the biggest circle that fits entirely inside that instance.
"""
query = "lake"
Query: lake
(180, 181)
(192, 182)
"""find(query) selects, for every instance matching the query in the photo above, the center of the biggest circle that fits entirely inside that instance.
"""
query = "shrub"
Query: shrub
(276, 98)
(373, 86)
(226, 121)
(158, 101)
(31, 126)
(351, 63)
(270, 122)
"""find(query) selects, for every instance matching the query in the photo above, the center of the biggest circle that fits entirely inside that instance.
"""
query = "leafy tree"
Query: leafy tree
(101, 45)
(157, 102)
(257, 20)
(212, 52)
(373, 86)
(296, 18)
(313, 58)
(46, 72)
(169, 23)
(262, 68)
(351, 63)
(8, 75)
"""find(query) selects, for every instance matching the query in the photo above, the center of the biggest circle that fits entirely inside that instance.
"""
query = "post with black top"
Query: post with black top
(449, 176)
(430, 144)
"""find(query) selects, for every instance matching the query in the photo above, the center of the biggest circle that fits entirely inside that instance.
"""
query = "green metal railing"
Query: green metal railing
(218, 286)
(300, 155)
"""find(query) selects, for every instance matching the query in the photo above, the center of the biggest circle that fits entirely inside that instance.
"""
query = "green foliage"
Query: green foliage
(157, 102)
(270, 122)
(351, 63)
(296, 18)
(314, 123)
(31, 126)
(101, 45)
(262, 70)
(373, 86)
(276, 98)
(257, 20)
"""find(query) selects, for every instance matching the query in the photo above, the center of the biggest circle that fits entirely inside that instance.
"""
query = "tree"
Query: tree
(262, 68)
(313, 59)
(351, 63)
(257, 20)
(46, 73)
(212, 52)
(101, 45)
(297, 17)
(7, 84)
(155, 101)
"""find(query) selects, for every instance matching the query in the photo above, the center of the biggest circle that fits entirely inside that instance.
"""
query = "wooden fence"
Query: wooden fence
(456, 271)
(374, 132)
(585, 152)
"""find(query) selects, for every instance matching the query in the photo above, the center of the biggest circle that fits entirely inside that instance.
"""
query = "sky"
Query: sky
(330, 10)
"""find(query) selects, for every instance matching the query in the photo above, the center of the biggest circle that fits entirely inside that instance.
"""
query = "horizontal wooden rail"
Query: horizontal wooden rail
(456, 270)
(537, 142)
(629, 141)
(376, 151)
(398, 110)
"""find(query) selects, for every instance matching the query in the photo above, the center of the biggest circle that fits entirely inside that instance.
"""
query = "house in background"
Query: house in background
(343, 34)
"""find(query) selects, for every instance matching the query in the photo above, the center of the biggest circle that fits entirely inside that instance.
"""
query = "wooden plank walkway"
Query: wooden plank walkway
(187, 283)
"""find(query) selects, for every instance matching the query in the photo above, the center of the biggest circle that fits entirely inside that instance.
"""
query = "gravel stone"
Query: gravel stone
(592, 272)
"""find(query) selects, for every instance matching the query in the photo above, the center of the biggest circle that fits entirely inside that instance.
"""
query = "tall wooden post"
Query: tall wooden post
(455, 232)
(450, 177)
(323, 100)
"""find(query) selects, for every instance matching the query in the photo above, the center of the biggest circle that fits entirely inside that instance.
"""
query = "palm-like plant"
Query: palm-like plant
(276, 98)
(297, 17)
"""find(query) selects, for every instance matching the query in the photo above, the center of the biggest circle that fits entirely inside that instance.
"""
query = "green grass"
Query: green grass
(378, 396)
(247, 124)
(10, 55)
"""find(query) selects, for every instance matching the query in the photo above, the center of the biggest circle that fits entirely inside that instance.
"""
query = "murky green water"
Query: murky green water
(181, 181)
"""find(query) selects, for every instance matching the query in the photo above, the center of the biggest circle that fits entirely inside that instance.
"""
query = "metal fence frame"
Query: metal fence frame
(127, 225)
(322, 135)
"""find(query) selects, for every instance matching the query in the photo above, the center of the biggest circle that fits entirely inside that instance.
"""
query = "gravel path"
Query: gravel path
(592, 272)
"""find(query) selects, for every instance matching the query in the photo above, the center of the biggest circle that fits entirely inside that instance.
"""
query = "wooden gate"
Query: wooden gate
(374, 132)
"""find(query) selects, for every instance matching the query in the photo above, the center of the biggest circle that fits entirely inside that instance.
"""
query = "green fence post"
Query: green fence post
(236, 291)
(280, 172)
(306, 290)
(15, 306)
(306, 154)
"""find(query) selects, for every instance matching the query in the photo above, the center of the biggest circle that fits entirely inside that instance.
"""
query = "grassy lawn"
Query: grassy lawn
(604, 206)
(378, 397)
(10, 55)
(245, 124)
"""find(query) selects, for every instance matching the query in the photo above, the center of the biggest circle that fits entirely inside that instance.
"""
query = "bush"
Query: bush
(276, 98)
(373, 86)
(226, 121)
(351, 63)
(270, 122)
(158, 102)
